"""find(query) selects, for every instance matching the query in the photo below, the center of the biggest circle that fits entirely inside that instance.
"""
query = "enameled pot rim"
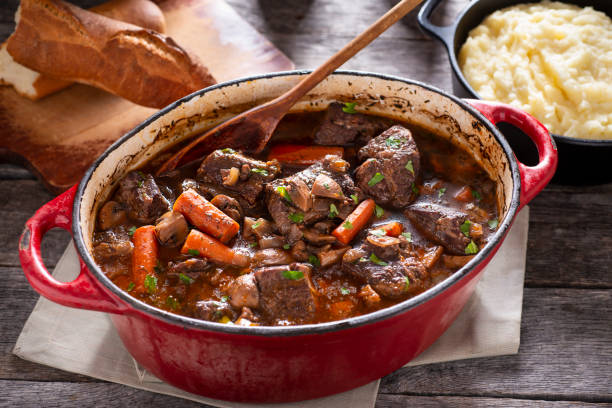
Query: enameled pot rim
(452, 56)
(309, 329)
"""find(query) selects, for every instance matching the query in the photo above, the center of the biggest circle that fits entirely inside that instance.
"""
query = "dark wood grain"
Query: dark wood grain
(389, 401)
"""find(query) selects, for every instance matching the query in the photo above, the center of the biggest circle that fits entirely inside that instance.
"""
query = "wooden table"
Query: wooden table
(565, 358)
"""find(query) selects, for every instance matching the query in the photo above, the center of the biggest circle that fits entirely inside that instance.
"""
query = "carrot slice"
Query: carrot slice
(355, 221)
(205, 216)
(200, 244)
(464, 195)
(393, 228)
(302, 154)
(144, 257)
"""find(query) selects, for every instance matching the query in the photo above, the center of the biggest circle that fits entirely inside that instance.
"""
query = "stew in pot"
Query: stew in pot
(342, 215)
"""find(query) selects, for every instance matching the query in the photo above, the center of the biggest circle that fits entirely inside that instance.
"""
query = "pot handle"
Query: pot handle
(443, 33)
(83, 292)
(533, 178)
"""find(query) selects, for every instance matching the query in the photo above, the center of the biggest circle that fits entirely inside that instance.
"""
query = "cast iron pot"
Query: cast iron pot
(581, 161)
(274, 364)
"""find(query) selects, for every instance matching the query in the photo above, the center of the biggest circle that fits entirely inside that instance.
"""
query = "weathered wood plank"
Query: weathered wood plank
(393, 401)
(565, 354)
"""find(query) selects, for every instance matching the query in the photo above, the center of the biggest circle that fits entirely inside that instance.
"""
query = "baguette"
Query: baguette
(61, 40)
(34, 85)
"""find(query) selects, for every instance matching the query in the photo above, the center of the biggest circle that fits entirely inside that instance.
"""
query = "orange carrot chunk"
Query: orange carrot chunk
(355, 221)
(393, 228)
(144, 259)
(464, 194)
(200, 244)
(205, 216)
(301, 154)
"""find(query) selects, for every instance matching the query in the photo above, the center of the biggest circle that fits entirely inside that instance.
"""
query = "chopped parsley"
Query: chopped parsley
(465, 228)
(293, 275)
(186, 279)
(409, 167)
(193, 252)
(172, 302)
(296, 218)
(349, 107)
(476, 195)
(379, 232)
(493, 223)
(326, 186)
(377, 260)
(224, 298)
(252, 244)
(344, 291)
(158, 267)
(347, 225)
(415, 190)
(286, 246)
(313, 260)
(407, 285)
(355, 198)
(363, 259)
(257, 224)
(441, 192)
(131, 286)
(140, 183)
(132, 230)
(333, 211)
(150, 283)
(228, 150)
(407, 235)
(471, 248)
(376, 178)
(395, 141)
(282, 190)
(263, 172)
(379, 211)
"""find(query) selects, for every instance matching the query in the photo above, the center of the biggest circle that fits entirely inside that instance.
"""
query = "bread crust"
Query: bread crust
(63, 41)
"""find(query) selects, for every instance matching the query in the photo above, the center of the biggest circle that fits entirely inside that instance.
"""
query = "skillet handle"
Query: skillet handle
(442, 33)
(83, 292)
(533, 179)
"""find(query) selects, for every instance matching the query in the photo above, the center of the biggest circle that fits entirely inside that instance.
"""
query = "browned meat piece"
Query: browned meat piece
(171, 229)
(341, 128)
(369, 296)
(257, 228)
(142, 198)
(229, 206)
(111, 214)
(213, 311)
(384, 247)
(331, 256)
(216, 168)
(299, 252)
(440, 224)
(243, 291)
(271, 241)
(392, 164)
(456, 262)
(285, 292)
(113, 249)
(191, 268)
(316, 238)
(271, 256)
(290, 217)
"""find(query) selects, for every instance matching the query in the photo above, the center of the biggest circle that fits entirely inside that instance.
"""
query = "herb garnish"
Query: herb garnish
(407, 235)
(441, 192)
(476, 195)
(252, 244)
(228, 150)
(355, 198)
(257, 224)
(186, 279)
(224, 298)
(347, 225)
(395, 141)
(296, 218)
(379, 232)
(132, 230)
(172, 302)
(140, 183)
(379, 211)
(286, 246)
(193, 252)
(150, 283)
(409, 167)
(415, 190)
(158, 267)
(131, 286)
(376, 178)
(263, 172)
(493, 223)
(293, 275)
(349, 107)
(465, 228)
(333, 211)
(471, 248)
(407, 285)
(377, 260)
(313, 260)
(282, 190)
(344, 291)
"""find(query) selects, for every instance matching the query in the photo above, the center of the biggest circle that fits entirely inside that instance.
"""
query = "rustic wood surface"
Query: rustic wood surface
(565, 358)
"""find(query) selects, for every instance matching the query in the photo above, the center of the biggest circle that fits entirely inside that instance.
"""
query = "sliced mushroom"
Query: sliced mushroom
(354, 255)
(299, 252)
(384, 247)
(111, 214)
(271, 256)
(243, 292)
(325, 186)
(257, 228)
(331, 256)
(299, 193)
(171, 229)
(315, 237)
(271, 241)
(229, 206)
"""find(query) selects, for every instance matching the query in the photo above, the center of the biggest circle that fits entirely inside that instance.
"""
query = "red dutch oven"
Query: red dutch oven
(275, 364)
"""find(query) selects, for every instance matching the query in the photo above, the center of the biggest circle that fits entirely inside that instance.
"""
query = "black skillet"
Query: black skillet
(581, 161)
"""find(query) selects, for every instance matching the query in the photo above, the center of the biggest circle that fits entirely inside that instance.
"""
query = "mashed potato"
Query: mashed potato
(550, 59)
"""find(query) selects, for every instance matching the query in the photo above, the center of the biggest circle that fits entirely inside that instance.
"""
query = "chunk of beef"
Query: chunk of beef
(142, 198)
(246, 181)
(230, 206)
(440, 224)
(291, 216)
(299, 252)
(171, 229)
(341, 128)
(331, 256)
(191, 267)
(213, 311)
(113, 249)
(285, 296)
(392, 164)
(111, 215)
(243, 291)
(384, 247)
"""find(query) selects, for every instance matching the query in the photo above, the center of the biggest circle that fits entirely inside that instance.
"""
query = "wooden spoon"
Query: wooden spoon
(252, 129)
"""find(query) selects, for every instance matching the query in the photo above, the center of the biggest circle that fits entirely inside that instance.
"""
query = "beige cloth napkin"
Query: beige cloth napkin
(86, 342)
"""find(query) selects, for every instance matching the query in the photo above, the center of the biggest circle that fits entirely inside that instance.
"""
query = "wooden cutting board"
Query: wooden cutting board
(59, 136)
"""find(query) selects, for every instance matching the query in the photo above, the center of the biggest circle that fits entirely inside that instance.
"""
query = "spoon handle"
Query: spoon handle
(381, 25)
